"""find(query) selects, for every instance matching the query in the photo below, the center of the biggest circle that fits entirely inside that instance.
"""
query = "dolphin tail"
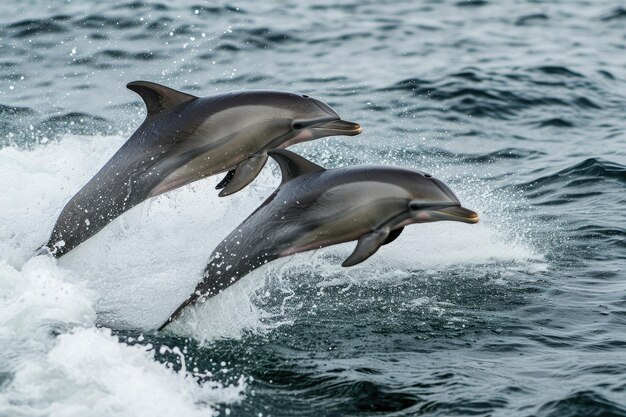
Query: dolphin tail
(43, 250)
(47, 250)
(212, 284)
(190, 300)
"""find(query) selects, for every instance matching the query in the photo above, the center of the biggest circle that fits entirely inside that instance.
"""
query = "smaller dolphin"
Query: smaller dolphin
(314, 207)
(185, 138)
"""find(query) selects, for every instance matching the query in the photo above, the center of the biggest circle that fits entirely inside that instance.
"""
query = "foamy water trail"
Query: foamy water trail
(61, 364)
(49, 310)
(147, 261)
(139, 268)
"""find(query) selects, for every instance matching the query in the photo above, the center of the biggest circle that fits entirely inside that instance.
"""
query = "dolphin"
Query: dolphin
(185, 138)
(315, 207)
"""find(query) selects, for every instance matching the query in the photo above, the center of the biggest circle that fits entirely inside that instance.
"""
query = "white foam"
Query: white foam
(88, 372)
(147, 261)
(138, 269)
(144, 263)
(229, 315)
(60, 363)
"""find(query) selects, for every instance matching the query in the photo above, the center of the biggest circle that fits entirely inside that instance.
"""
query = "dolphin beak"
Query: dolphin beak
(458, 214)
(338, 127)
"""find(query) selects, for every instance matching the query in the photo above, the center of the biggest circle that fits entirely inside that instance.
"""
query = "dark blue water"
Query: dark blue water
(518, 105)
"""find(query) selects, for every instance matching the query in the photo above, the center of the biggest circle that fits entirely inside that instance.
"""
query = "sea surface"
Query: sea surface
(519, 105)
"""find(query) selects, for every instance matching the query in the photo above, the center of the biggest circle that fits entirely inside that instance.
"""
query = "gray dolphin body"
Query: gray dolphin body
(314, 207)
(185, 138)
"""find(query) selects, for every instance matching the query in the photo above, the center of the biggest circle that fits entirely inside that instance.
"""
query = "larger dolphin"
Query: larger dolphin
(315, 207)
(185, 138)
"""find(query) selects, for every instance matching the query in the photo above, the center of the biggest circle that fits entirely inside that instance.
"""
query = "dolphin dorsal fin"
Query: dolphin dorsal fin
(158, 97)
(293, 165)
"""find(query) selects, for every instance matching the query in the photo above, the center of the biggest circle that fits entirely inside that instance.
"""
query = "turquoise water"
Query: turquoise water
(517, 105)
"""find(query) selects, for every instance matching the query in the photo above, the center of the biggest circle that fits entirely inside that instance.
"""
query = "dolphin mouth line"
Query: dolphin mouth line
(341, 127)
(460, 214)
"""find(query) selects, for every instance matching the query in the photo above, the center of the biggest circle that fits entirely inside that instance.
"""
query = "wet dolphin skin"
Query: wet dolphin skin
(316, 207)
(185, 138)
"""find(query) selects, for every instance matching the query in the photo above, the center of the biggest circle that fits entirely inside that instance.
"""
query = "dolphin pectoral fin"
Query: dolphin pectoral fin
(292, 165)
(244, 174)
(393, 235)
(367, 246)
(224, 182)
(158, 97)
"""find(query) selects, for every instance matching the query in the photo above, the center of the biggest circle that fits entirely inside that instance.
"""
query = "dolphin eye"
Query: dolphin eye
(297, 125)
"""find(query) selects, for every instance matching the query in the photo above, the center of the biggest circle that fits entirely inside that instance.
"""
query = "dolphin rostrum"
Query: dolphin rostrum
(185, 138)
(315, 207)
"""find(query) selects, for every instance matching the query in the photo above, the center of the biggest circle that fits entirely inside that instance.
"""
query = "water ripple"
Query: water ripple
(582, 403)
(588, 171)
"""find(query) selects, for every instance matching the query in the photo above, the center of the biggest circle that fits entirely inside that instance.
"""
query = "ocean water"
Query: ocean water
(519, 105)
